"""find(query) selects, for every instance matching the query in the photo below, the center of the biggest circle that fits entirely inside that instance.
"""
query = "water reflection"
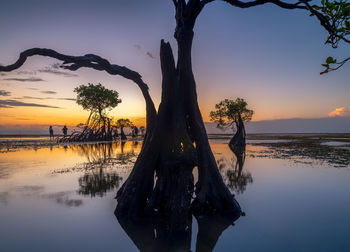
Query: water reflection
(99, 183)
(62, 198)
(100, 176)
(154, 235)
(4, 197)
(209, 231)
(232, 171)
(107, 153)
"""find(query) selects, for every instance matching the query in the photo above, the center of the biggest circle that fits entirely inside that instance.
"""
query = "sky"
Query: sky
(269, 56)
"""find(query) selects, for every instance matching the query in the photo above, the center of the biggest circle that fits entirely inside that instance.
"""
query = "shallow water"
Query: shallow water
(335, 143)
(62, 199)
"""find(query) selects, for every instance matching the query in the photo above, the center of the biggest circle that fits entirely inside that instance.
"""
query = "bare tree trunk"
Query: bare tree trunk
(122, 134)
(176, 157)
(169, 151)
(212, 194)
(238, 142)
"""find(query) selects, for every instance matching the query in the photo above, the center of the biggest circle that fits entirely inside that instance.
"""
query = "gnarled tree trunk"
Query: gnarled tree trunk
(237, 143)
(175, 144)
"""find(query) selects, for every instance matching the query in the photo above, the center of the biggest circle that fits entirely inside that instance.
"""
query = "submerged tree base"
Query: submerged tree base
(88, 135)
(155, 233)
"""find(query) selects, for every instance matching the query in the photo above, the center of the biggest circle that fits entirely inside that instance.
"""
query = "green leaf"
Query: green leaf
(330, 60)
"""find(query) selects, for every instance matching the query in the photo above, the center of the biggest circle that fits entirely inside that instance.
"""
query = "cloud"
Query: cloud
(150, 55)
(45, 98)
(140, 52)
(26, 72)
(138, 49)
(343, 112)
(56, 72)
(66, 99)
(31, 79)
(4, 197)
(31, 97)
(4, 93)
(56, 65)
(31, 88)
(48, 92)
(2, 74)
(54, 69)
(15, 103)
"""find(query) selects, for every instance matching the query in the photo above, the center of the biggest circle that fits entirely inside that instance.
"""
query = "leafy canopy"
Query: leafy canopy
(96, 98)
(123, 123)
(228, 112)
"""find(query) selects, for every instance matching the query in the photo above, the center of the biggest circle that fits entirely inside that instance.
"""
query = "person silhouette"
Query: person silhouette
(51, 132)
(135, 131)
(65, 130)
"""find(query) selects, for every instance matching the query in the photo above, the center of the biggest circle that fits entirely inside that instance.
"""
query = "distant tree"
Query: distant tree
(123, 123)
(142, 130)
(232, 113)
(97, 99)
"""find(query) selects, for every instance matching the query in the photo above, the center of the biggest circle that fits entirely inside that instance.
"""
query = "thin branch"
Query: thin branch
(323, 21)
(338, 65)
(96, 62)
(301, 4)
(241, 4)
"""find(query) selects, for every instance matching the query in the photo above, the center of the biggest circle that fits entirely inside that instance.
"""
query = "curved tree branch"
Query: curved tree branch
(96, 62)
(241, 4)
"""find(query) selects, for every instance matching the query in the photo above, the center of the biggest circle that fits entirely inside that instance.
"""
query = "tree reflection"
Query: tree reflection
(100, 169)
(155, 235)
(98, 184)
(209, 231)
(236, 178)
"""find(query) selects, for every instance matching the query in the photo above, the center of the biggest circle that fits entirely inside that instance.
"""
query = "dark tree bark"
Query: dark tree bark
(210, 229)
(238, 142)
(152, 235)
(122, 134)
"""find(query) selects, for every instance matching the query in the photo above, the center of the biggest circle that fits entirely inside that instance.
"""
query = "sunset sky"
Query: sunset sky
(269, 56)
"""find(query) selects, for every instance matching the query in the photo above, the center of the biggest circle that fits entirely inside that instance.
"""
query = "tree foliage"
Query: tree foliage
(124, 123)
(97, 98)
(228, 112)
(336, 18)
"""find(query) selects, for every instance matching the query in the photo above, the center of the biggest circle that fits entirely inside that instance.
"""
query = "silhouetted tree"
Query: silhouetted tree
(232, 113)
(123, 123)
(176, 140)
(154, 236)
(142, 130)
(98, 100)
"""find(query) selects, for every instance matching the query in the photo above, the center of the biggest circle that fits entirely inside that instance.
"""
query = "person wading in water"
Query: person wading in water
(51, 132)
(65, 130)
